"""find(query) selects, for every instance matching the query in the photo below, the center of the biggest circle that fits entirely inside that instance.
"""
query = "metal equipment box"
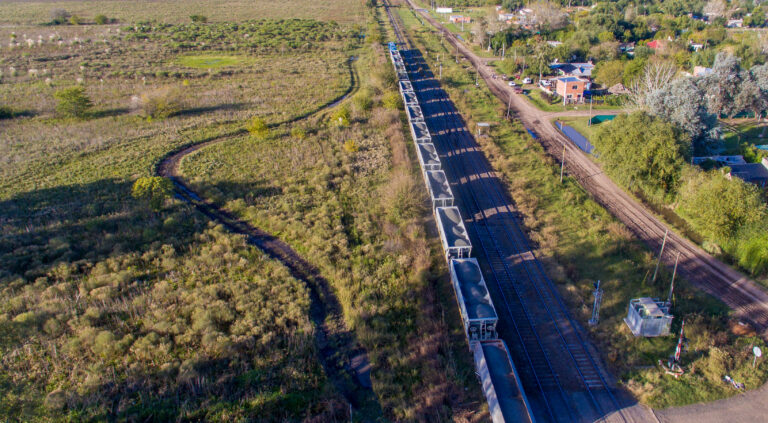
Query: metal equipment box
(453, 233)
(648, 317)
(477, 311)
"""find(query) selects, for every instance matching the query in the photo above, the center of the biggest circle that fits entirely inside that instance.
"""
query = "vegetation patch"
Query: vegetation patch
(211, 61)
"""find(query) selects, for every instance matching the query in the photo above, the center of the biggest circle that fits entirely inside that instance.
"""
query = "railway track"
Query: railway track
(562, 379)
(743, 295)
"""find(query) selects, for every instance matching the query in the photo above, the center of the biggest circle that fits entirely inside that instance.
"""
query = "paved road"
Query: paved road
(748, 300)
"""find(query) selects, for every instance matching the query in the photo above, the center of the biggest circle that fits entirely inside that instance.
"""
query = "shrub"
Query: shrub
(298, 133)
(152, 189)
(392, 101)
(6, 112)
(101, 19)
(752, 250)
(161, 103)
(341, 116)
(72, 102)
(258, 128)
(198, 18)
(75, 20)
(350, 146)
(364, 100)
(59, 16)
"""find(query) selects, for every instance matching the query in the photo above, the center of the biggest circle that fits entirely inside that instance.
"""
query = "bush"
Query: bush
(392, 101)
(75, 20)
(6, 112)
(341, 116)
(258, 128)
(161, 103)
(752, 250)
(72, 102)
(298, 133)
(198, 18)
(152, 189)
(101, 20)
(364, 100)
(350, 146)
(59, 16)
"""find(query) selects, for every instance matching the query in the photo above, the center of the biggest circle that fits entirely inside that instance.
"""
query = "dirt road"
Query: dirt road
(748, 300)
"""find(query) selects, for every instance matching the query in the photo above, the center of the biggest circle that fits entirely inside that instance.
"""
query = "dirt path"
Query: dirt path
(345, 362)
(748, 300)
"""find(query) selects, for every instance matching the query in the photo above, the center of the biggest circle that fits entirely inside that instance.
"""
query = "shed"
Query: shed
(648, 317)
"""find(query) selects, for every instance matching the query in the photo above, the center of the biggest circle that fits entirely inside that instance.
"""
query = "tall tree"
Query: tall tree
(642, 149)
(723, 85)
(683, 104)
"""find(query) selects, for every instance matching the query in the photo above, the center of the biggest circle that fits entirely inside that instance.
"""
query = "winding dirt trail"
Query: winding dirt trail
(748, 300)
(345, 362)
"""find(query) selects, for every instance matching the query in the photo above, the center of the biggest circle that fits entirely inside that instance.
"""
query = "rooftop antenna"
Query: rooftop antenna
(598, 293)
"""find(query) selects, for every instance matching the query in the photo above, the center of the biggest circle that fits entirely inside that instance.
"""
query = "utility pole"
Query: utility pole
(663, 243)
(672, 285)
(509, 105)
(503, 50)
(589, 122)
(598, 293)
(477, 76)
(441, 71)
(562, 166)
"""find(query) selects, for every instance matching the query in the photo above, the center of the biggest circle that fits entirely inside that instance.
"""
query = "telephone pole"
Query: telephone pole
(598, 293)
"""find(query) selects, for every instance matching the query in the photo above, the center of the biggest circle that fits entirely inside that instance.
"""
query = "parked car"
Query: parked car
(544, 83)
(527, 81)
(512, 83)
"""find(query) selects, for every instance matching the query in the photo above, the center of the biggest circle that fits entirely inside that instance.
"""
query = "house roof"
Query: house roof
(570, 79)
(750, 172)
(577, 69)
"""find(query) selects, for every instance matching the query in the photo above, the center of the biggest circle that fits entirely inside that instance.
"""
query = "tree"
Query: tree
(715, 8)
(610, 73)
(683, 104)
(716, 206)
(101, 19)
(750, 96)
(656, 76)
(152, 189)
(161, 103)
(75, 20)
(258, 128)
(639, 148)
(59, 16)
(548, 15)
(73, 102)
(722, 85)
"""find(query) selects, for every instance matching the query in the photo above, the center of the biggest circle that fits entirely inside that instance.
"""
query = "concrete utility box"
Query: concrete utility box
(414, 113)
(428, 158)
(648, 317)
(453, 233)
(477, 311)
(439, 188)
(406, 86)
(420, 132)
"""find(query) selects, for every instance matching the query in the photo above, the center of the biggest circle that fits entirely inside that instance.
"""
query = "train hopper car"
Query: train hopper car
(453, 233)
(439, 189)
(428, 157)
(477, 311)
(507, 402)
(420, 132)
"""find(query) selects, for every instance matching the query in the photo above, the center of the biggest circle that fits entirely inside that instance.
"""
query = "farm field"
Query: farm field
(580, 242)
(115, 305)
(178, 11)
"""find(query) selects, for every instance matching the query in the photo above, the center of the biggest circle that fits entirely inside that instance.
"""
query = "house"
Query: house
(574, 69)
(656, 44)
(735, 23)
(571, 88)
(701, 71)
(753, 173)
(460, 19)
(506, 17)
(696, 46)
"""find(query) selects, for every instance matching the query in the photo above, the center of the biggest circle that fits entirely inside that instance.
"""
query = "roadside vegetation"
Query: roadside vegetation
(579, 242)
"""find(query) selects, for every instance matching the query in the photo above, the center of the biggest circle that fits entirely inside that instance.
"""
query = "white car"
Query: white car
(512, 83)
(544, 83)
(527, 81)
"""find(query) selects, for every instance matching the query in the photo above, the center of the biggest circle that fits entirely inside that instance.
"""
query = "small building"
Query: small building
(696, 46)
(459, 19)
(648, 317)
(657, 44)
(753, 173)
(735, 23)
(554, 43)
(444, 10)
(574, 69)
(571, 88)
(506, 17)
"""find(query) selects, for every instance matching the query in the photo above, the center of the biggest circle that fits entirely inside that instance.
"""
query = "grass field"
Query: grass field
(115, 310)
(177, 11)
(211, 61)
(580, 242)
